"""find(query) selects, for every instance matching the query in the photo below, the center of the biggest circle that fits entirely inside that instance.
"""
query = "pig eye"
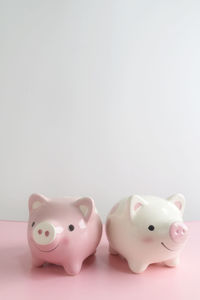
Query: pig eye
(151, 227)
(33, 224)
(71, 227)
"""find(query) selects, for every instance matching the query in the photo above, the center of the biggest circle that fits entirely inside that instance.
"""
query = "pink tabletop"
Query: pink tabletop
(103, 276)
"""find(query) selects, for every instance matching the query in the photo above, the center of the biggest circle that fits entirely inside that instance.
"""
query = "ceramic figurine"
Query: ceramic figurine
(146, 230)
(63, 231)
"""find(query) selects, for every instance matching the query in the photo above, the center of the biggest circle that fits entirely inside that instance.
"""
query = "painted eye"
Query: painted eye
(33, 224)
(151, 227)
(71, 227)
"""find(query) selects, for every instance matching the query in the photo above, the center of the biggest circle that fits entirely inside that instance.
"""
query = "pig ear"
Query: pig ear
(36, 200)
(178, 200)
(136, 202)
(86, 207)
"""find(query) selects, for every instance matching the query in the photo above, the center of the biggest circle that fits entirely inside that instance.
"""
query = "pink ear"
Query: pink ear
(178, 200)
(36, 200)
(178, 204)
(86, 207)
(136, 203)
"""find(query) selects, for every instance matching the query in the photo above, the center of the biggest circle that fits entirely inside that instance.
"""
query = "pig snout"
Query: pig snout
(44, 233)
(178, 232)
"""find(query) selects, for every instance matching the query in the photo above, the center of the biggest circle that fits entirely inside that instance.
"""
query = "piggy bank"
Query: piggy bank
(146, 230)
(63, 231)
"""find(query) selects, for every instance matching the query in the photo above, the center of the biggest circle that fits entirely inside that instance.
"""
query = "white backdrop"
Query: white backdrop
(99, 98)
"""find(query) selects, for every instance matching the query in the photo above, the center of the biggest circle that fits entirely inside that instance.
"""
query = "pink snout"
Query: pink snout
(44, 233)
(178, 232)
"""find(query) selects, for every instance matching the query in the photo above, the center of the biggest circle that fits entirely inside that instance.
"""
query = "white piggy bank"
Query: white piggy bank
(146, 230)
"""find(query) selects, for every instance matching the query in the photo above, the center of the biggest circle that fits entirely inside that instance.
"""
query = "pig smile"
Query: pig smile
(46, 250)
(166, 247)
(50, 249)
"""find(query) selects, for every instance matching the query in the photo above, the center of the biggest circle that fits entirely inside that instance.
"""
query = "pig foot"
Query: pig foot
(172, 262)
(92, 254)
(73, 269)
(112, 251)
(36, 262)
(137, 267)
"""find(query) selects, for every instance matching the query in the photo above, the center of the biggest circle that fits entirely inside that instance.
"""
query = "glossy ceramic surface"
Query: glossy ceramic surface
(147, 229)
(63, 231)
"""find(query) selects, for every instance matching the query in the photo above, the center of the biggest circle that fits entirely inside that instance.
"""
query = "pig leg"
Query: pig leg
(137, 267)
(36, 262)
(172, 262)
(73, 268)
(112, 251)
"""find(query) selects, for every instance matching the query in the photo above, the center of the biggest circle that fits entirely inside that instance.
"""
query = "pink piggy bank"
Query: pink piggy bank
(147, 229)
(63, 231)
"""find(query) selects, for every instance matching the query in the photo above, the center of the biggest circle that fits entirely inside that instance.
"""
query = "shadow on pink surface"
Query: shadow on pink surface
(103, 276)
(21, 263)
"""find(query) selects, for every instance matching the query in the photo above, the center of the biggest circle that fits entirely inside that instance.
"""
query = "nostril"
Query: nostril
(47, 233)
(40, 231)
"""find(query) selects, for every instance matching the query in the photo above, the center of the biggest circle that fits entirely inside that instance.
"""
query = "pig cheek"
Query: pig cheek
(147, 240)
(67, 237)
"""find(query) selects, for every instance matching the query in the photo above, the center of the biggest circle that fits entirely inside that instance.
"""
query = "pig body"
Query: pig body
(63, 231)
(146, 230)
